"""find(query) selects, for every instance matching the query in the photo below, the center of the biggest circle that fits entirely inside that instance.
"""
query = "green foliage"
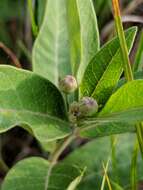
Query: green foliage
(83, 44)
(126, 98)
(76, 182)
(33, 103)
(68, 44)
(35, 171)
(51, 57)
(7, 12)
(93, 154)
(122, 81)
(123, 109)
(41, 11)
(105, 69)
(138, 66)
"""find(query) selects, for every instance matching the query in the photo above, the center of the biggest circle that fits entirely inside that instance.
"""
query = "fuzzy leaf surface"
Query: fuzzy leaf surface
(93, 154)
(51, 58)
(84, 34)
(32, 102)
(30, 174)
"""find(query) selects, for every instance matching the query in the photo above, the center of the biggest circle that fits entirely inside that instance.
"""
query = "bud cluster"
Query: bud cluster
(86, 107)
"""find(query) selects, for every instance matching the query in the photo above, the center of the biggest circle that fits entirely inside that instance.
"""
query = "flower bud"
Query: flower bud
(74, 112)
(88, 106)
(68, 84)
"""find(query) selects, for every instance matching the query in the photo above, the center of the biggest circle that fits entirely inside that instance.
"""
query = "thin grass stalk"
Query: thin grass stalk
(126, 61)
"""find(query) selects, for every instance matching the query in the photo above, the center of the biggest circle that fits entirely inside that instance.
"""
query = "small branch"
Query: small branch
(54, 157)
(11, 55)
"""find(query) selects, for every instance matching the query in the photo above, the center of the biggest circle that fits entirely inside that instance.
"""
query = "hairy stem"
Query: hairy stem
(56, 154)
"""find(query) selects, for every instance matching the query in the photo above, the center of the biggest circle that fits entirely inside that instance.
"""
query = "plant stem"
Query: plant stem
(56, 154)
(122, 40)
(33, 23)
(134, 166)
(126, 61)
(66, 101)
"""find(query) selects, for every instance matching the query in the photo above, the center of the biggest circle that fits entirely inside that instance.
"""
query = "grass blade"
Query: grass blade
(126, 61)
(106, 175)
(120, 32)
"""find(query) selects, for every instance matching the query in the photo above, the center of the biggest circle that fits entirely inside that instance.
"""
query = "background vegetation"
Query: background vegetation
(20, 22)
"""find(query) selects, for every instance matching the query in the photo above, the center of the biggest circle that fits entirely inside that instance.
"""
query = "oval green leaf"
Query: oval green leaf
(84, 34)
(30, 174)
(51, 58)
(105, 69)
(32, 102)
(99, 151)
(120, 114)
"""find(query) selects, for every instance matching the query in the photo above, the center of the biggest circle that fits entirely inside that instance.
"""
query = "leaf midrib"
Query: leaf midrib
(109, 117)
(57, 34)
(23, 111)
(110, 62)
